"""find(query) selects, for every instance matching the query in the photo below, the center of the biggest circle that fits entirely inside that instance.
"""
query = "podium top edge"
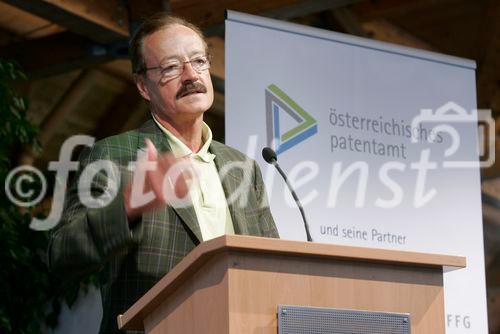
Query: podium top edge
(316, 249)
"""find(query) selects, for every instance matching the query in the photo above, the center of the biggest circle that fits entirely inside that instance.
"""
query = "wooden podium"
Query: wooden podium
(234, 284)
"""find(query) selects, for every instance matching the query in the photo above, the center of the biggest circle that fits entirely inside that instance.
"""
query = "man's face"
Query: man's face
(170, 99)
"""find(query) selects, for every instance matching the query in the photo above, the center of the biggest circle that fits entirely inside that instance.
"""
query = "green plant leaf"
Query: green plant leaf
(27, 285)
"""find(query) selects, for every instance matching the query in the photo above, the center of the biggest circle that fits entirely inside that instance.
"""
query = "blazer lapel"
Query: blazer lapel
(187, 214)
(231, 181)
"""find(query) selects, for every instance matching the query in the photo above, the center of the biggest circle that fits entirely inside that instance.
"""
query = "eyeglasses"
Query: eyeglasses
(174, 68)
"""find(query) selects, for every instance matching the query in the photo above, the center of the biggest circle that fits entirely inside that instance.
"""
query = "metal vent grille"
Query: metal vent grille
(316, 320)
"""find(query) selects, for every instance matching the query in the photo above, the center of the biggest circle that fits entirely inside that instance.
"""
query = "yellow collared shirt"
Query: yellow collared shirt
(205, 191)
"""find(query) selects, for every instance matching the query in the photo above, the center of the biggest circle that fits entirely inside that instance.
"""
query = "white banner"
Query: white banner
(371, 169)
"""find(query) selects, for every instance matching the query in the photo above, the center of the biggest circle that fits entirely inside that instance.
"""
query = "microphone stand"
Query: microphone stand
(294, 195)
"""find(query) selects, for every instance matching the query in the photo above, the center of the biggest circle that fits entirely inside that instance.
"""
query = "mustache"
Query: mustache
(191, 87)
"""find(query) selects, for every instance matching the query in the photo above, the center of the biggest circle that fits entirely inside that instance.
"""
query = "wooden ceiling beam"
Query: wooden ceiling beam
(209, 13)
(139, 9)
(55, 54)
(101, 21)
(384, 30)
(216, 43)
(68, 102)
(123, 106)
(347, 20)
(69, 51)
(306, 8)
(283, 12)
(25, 25)
(119, 68)
(395, 8)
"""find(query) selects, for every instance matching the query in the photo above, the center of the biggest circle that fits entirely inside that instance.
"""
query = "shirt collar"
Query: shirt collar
(180, 150)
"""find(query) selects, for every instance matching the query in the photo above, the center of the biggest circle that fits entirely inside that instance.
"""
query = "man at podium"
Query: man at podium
(132, 242)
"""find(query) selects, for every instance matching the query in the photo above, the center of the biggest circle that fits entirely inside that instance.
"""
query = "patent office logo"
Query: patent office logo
(278, 102)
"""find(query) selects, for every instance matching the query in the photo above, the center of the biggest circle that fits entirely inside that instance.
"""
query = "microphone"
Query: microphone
(270, 157)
